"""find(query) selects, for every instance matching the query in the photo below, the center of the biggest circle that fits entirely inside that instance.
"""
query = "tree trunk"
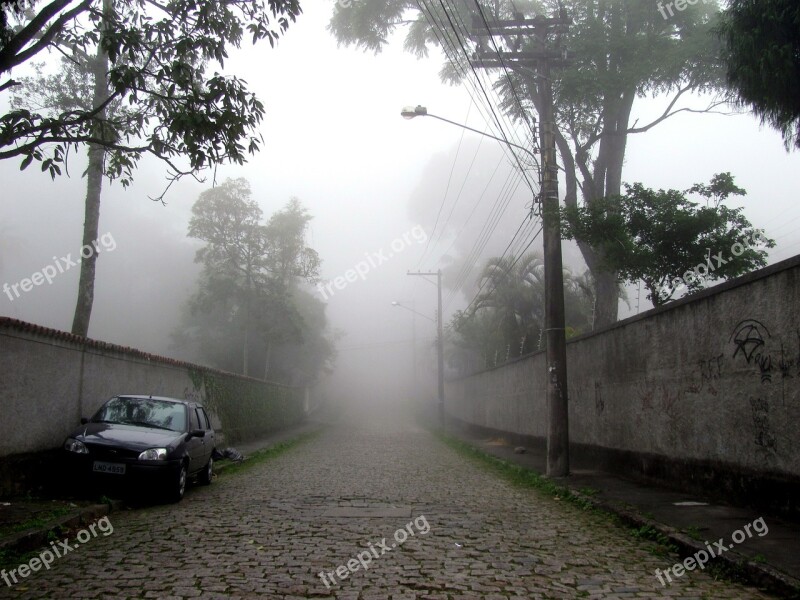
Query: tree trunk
(91, 223)
(94, 186)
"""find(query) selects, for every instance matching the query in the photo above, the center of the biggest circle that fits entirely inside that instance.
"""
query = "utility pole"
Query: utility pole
(439, 342)
(537, 64)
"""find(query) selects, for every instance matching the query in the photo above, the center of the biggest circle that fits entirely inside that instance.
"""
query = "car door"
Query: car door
(208, 440)
(195, 446)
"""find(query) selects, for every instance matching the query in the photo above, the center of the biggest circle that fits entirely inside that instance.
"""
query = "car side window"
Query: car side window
(201, 418)
(208, 421)
(193, 421)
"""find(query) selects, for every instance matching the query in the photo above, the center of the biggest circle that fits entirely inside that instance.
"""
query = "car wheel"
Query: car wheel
(179, 484)
(207, 473)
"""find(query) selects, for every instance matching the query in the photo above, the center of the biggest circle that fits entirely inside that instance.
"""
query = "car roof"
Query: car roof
(160, 398)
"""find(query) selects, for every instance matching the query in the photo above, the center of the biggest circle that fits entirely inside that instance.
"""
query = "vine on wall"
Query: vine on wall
(247, 408)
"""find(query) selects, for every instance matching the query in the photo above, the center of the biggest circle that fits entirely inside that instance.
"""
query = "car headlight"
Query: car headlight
(76, 446)
(154, 454)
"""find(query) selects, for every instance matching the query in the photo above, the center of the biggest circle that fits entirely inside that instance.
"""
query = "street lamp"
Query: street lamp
(554, 325)
(410, 112)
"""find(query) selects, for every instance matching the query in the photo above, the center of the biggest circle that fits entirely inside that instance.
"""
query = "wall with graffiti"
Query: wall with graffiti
(714, 378)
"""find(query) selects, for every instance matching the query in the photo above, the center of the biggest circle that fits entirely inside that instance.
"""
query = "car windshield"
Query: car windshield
(146, 412)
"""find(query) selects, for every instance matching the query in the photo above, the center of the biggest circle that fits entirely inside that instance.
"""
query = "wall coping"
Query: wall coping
(8, 324)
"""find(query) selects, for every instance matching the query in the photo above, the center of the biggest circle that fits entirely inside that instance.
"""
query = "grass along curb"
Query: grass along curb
(259, 456)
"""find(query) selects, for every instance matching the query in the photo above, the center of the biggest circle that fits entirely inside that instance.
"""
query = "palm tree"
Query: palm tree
(512, 298)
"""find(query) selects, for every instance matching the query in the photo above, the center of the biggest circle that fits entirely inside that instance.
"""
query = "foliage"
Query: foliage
(507, 318)
(761, 41)
(159, 53)
(661, 238)
(250, 308)
(248, 408)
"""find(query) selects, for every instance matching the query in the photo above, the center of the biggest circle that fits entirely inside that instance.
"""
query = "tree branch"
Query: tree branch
(8, 84)
(12, 59)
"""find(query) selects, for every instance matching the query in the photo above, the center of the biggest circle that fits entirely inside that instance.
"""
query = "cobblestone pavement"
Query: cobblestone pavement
(269, 531)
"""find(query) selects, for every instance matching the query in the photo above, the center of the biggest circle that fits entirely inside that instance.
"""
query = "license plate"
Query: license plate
(107, 467)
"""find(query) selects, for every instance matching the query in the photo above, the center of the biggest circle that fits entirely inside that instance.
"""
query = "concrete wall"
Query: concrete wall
(706, 388)
(50, 379)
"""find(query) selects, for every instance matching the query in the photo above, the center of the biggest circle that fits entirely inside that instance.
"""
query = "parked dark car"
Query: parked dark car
(145, 441)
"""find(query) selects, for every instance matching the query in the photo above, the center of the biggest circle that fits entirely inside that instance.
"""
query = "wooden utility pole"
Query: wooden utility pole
(537, 63)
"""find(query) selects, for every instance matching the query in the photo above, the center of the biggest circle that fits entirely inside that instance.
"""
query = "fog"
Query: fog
(334, 139)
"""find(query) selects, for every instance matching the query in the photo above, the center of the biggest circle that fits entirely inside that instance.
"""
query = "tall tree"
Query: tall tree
(762, 51)
(229, 221)
(251, 270)
(289, 261)
(623, 49)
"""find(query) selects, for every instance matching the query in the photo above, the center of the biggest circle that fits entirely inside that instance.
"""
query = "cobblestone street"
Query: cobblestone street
(269, 531)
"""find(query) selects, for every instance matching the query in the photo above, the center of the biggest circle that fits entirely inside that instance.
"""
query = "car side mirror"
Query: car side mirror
(84, 420)
(197, 433)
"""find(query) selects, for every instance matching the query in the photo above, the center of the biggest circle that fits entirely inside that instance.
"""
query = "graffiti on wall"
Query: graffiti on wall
(750, 338)
(599, 403)
(764, 437)
(775, 358)
(707, 375)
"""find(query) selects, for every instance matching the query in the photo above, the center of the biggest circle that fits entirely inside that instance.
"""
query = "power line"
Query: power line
(494, 287)
(447, 189)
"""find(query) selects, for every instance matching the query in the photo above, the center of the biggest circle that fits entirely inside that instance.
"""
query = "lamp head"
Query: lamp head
(409, 112)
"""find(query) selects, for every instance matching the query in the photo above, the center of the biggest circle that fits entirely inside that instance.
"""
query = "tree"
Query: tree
(234, 257)
(138, 105)
(623, 49)
(289, 255)
(78, 86)
(668, 242)
(507, 317)
(761, 40)
(158, 53)
(300, 358)
(289, 260)
(250, 278)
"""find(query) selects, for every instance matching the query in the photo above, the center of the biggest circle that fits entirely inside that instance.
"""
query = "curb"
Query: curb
(39, 537)
(758, 574)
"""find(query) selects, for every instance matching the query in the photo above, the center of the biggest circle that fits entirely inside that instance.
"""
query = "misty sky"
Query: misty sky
(334, 139)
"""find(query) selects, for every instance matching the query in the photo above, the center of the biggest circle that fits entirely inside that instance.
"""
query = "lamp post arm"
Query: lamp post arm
(415, 312)
(483, 133)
